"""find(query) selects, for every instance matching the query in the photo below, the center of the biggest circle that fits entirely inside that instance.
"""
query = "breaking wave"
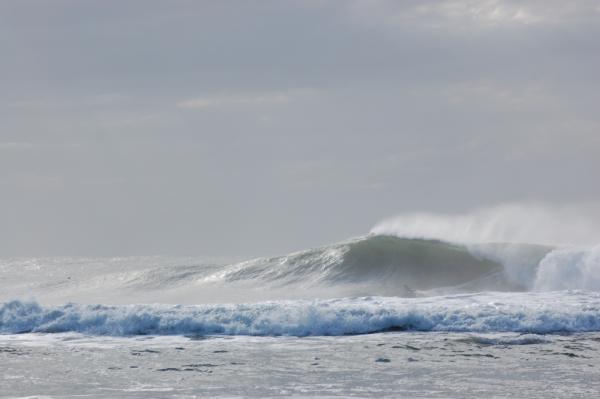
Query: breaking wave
(538, 313)
(374, 265)
(396, 265)
(390, 265)
(569, 268)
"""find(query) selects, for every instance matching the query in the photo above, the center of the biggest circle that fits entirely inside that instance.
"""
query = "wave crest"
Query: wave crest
(569, 268)
(528, 312)
(515, 223)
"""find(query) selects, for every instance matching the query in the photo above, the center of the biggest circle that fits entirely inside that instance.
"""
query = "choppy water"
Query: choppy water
(392, 365)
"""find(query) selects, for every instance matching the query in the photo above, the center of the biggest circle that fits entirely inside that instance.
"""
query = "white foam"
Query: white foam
(569, 268)
(569, 311)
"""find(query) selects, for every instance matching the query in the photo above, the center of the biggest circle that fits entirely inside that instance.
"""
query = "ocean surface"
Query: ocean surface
(374, 316)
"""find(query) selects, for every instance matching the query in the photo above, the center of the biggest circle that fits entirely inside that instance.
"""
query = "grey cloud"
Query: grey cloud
(458, 15)
(260, 127)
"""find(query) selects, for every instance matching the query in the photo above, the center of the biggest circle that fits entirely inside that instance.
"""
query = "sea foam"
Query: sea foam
(567, 311)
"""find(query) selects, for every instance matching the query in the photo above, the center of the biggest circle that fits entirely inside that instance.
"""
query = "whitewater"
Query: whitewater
(385, 314)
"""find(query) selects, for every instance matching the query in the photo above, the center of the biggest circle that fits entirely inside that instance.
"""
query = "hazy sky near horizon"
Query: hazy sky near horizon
(260, 127)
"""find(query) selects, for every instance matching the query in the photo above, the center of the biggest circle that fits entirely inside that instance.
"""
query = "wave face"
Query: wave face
(386, 265)
(390, 265)
(525, 312)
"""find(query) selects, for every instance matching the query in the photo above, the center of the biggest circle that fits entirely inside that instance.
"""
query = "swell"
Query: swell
(501, 312)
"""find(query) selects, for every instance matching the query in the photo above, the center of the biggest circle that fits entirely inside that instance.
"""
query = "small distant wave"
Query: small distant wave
(537, 313)
(525, 339)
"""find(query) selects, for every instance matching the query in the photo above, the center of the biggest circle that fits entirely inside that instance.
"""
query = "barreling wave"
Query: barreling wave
(420, 264)
(397, 266)
(389, 265)
(538, 313)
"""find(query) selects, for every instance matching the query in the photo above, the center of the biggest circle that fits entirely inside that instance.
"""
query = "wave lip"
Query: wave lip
(539, 313)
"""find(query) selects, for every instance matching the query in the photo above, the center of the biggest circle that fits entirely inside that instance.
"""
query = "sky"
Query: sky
(261, 127)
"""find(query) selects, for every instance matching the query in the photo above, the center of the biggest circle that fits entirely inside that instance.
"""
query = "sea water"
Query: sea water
(376, 316)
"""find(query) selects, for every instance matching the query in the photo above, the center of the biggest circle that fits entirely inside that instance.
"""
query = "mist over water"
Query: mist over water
(577, 224)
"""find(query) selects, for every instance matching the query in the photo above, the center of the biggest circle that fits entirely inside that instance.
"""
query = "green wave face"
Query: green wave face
(390, 265)
(418, 264)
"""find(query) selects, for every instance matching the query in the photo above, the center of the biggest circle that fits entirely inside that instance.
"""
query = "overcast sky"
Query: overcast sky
(259, 127)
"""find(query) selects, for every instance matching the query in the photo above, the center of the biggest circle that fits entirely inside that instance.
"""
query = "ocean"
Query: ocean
(373, 316)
